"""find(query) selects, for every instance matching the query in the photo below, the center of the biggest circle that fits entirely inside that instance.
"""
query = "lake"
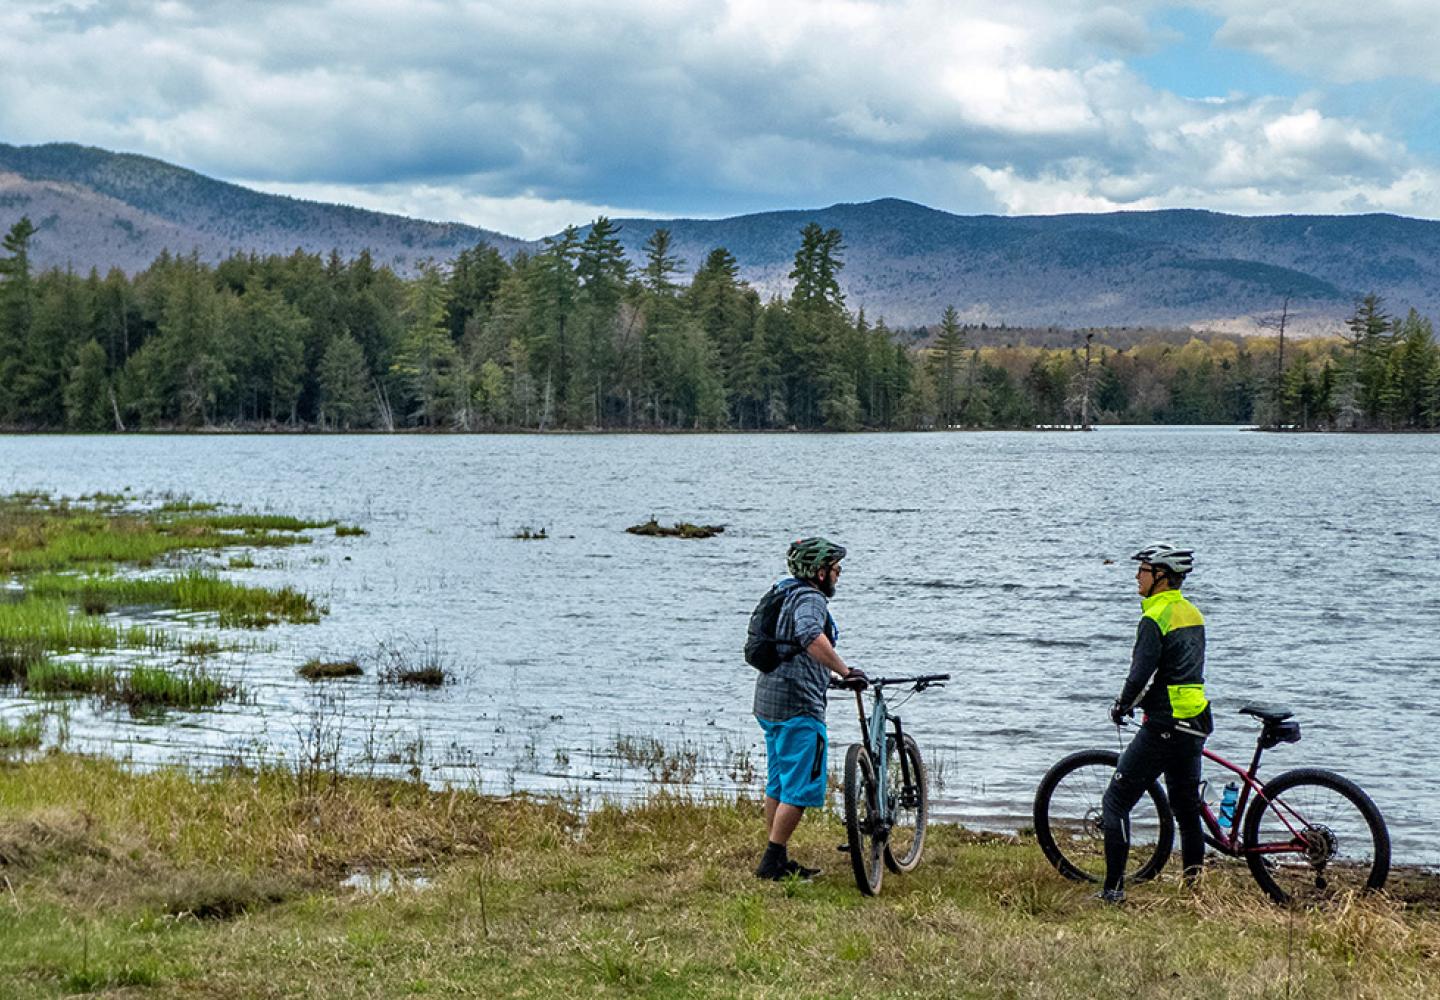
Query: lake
(1001, 558)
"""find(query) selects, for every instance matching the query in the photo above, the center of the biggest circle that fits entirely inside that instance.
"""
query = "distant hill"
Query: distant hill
(903, 261)
(1173, 268)
(101, 209)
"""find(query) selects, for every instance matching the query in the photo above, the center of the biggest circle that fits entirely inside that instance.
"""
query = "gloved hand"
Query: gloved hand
(856, 679)
(1118, 712)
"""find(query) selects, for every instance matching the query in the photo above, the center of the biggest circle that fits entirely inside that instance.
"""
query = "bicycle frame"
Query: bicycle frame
(1230, 843)
(874, 729)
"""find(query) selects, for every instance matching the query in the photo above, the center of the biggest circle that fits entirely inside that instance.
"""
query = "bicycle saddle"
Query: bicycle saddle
(1270, 713)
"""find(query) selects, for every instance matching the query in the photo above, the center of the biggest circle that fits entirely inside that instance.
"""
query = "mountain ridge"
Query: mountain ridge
(903, 261)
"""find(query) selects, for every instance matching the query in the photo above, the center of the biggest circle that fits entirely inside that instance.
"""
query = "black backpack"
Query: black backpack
(764, 650)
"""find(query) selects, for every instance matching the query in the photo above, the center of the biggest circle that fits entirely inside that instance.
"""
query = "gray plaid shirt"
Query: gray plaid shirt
(798, 686)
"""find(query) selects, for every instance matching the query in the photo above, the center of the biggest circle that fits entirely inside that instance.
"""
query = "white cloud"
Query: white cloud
(521, 116)
(1337, 40)
(524, 216)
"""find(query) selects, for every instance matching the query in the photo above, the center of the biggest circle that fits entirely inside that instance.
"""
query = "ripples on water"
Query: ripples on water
(1001, 557)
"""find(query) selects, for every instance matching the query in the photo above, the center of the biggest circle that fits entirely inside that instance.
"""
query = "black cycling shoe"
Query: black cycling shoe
(790, 869)
(1112, 896)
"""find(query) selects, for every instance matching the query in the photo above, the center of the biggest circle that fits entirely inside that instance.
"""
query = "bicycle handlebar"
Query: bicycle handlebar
(920, 683)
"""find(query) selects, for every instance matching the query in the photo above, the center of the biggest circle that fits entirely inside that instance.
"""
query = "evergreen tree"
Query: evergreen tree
(427, 358)
(344, 384)
(16, 304)
(87, 392)
(946, 361)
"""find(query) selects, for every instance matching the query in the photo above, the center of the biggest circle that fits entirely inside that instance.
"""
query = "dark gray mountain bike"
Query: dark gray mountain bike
(885, 819)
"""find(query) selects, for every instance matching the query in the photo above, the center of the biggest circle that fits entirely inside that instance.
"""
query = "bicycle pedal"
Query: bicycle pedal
(842, 848)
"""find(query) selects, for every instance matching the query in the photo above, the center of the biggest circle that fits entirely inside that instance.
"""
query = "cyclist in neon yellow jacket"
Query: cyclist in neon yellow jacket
(1167, 683)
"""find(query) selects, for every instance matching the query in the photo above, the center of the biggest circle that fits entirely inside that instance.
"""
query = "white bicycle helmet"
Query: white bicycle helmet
(1167, 556)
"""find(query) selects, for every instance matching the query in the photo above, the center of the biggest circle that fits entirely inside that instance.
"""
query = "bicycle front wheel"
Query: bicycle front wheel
(1314, 835)
(909, 806)
(1067, 820)
(863, 823)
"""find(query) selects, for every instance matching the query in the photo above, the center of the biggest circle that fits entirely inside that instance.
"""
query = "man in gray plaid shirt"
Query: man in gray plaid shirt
(790, 700)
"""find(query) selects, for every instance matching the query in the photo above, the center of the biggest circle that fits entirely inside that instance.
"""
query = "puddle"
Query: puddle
(380, 881)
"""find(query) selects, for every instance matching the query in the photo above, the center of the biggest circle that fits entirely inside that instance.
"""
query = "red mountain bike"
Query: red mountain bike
(1307, 834)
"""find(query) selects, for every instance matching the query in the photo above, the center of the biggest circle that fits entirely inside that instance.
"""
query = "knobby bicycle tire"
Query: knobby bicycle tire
(1347, 846)
(1067, 820)
(909, 813)
(862, 820)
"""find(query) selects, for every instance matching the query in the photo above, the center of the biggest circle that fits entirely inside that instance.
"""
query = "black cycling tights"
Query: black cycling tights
(1151, 754)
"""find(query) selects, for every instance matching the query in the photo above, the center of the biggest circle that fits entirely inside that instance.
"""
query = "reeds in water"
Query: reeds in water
(237, 604)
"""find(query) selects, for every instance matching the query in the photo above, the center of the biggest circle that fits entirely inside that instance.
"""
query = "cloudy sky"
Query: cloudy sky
(524, 115)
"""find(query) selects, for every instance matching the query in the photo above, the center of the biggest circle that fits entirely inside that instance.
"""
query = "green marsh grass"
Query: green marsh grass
(189, 687)
(38, 533)
(52, 624)
(236, 603)
(24, 734)
(60, 678)
(248, 523)
(138, 688)
(349, 530)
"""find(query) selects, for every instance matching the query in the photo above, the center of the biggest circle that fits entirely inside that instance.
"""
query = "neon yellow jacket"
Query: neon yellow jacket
(1167, 666)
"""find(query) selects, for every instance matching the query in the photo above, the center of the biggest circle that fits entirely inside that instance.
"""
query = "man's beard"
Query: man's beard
(826, 587)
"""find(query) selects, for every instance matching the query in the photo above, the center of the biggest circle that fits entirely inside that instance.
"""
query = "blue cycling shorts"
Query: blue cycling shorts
(795, 755)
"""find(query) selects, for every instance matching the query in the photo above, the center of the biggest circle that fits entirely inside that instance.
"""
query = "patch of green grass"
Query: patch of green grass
(244, 561)
(202, 647)
(185, 505)
(24, 734)
(248, 523)
(346, 530)
(38, 533)
(321, 670)
(237, 604)
(138, 688)
(55, 677)
(16, 656)
(51, 624)
(191, 687)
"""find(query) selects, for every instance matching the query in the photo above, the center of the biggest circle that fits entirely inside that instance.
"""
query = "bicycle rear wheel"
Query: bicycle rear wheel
(1315, 835)
(909, 806)
(1067, 820)
(863, 824)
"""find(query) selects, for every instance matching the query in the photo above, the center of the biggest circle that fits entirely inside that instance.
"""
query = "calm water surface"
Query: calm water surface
(999, 557)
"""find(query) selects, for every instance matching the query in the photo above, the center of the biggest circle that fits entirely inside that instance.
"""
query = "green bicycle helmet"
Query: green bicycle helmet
(807, 556)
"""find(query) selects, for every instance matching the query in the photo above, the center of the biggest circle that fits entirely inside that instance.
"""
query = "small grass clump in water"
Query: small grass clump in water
(51, 624)
(349, 530)
(54, 677)
(16, 657)
(141, 687)
(250, 523)
(236, 603)
(526, 535)
(22, 735)
(422, 666)
(320, 670)
(192, 687)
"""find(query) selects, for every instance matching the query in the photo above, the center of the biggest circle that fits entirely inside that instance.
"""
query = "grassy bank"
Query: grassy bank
(170, 884)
